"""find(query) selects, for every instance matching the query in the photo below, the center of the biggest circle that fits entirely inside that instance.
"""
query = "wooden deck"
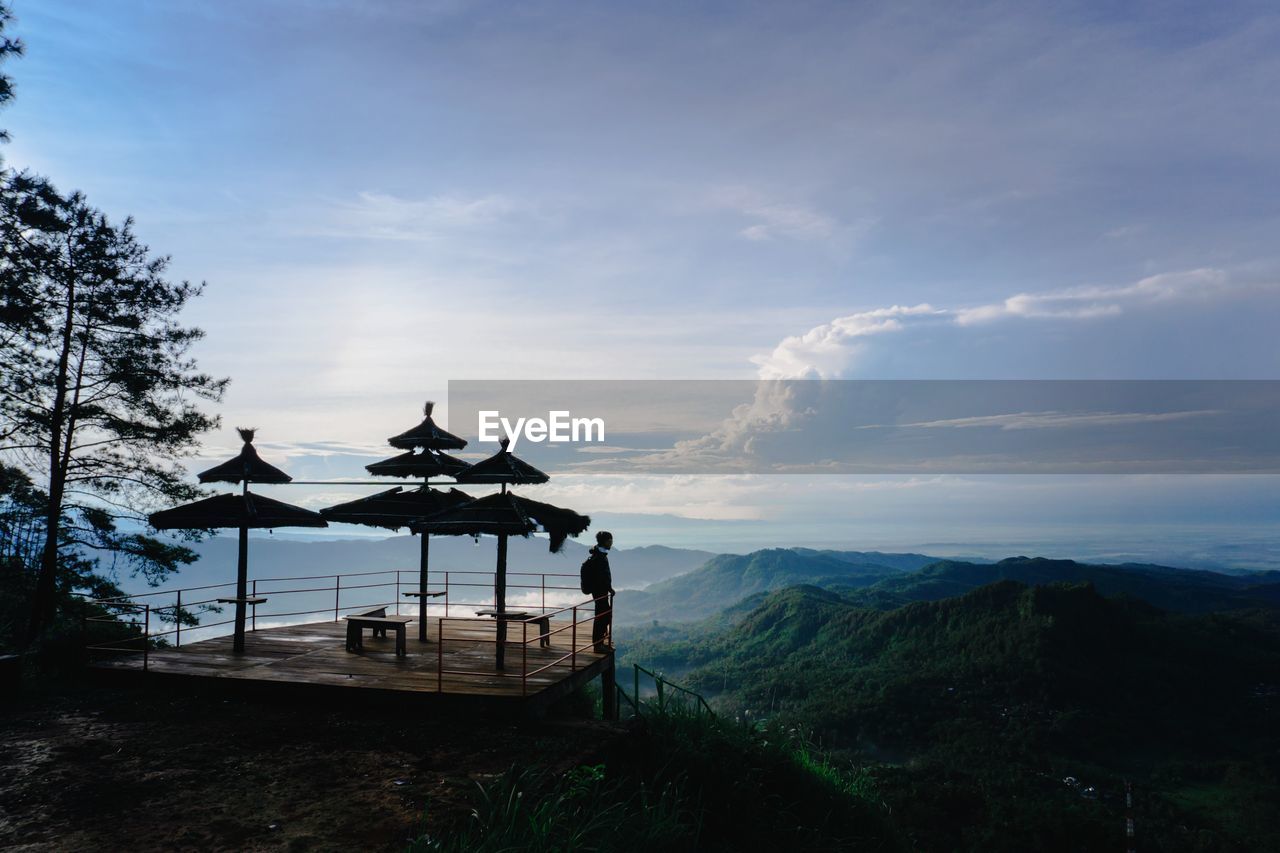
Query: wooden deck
(314, 655)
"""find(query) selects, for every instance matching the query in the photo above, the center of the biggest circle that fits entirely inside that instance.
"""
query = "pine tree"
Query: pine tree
(99, 397)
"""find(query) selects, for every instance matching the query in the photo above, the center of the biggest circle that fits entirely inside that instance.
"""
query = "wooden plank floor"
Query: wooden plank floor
(316, 654)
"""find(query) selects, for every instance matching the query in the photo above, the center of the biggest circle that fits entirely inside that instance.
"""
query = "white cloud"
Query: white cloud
(823, 351)
(786, 220)
(382, 216)
(1051, 420)
(769, 219)
(833, 350)
(1082, 303)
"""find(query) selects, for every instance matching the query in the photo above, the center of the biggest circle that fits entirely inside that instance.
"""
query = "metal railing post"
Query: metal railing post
(446, 595)
(440, 658)
(398, 592)
(254, 617)
(573, 653)
(146, 636)
(524, 659)
(544, 592)
(337, 595)
(177, 618)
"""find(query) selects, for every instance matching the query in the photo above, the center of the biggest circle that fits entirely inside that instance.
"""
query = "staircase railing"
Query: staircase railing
(662, 700)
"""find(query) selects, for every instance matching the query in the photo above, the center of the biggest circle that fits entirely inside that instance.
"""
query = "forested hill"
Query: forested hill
(1056, 645)
(727, 579)
(886, 581)
(1179, 590)
(976, 708)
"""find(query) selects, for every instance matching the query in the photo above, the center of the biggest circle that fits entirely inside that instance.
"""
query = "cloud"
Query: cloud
(787, 422)
(382, 216)
(834, 350)
(823, 351)
(1082, 303)
(1052, 420)
(698, 497)
(770, 219)
(786, 220)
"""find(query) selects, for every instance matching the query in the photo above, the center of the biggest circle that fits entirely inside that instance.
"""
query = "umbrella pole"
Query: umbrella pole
(242, 582)
(422, 586)
(500, 598)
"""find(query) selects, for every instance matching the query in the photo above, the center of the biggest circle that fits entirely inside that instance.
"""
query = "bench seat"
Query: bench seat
(379, 624)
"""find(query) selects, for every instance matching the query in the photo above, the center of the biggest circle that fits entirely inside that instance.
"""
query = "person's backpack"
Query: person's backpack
(589, 574)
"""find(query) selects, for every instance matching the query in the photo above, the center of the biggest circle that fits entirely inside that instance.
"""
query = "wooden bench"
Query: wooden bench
(543, 622)
(378, 621)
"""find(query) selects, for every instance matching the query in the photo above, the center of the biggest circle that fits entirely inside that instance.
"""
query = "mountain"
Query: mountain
(1180, 590)
(901, 562)
(728, 578)
(634, 568)
(1009, 718)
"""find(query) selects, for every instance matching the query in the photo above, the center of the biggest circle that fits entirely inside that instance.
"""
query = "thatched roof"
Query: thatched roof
(502, 467)
(428, 463)
(247, 467)
(506, 513)
(395, 508)
(427, 435)
(248, 510)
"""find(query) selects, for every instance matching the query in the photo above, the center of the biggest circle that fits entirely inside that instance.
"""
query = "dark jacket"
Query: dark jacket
(600, 574)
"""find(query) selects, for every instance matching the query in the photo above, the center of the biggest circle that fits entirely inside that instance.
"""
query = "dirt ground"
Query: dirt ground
(147, 768)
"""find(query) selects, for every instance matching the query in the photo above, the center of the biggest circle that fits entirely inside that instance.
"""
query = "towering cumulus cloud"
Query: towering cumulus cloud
(790, 424)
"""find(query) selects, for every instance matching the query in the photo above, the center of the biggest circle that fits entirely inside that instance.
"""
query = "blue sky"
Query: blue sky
(384, 196)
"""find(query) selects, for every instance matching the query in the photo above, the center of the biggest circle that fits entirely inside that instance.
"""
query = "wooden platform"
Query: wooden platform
(314, 655)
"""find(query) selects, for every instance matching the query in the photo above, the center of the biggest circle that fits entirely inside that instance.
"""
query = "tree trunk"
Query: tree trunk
(43, 604)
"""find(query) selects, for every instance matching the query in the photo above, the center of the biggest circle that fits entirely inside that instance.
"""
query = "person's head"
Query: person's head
(604, 539)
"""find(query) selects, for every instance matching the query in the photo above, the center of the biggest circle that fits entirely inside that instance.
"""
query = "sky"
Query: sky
(385, 195)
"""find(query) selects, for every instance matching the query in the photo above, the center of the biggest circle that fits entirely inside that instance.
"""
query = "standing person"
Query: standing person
(597, 581)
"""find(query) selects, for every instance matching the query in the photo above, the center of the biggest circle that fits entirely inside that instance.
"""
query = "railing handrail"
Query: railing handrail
(582, 609)
(660, 681)
(175, 590)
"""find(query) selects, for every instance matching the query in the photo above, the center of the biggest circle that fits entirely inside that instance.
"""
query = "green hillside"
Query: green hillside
(886, 581)
(972, 710)
(1179, 590)
(728, 578)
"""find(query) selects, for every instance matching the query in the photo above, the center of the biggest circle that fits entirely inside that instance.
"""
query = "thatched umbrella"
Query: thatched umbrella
(242, 511)
(425, 458)
(394, 509)
(428, 463)
(427, 435)
(502, 467)
(504, 515)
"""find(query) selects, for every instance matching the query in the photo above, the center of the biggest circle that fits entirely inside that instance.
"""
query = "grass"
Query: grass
(680, 781)
(582, 811)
